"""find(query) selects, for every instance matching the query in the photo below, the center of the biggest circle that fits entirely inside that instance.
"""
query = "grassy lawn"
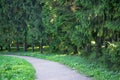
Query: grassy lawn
(12, 68)
(78, 63)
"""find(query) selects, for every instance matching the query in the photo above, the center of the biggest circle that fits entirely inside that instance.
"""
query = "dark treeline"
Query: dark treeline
(21, 24)
(87, 27)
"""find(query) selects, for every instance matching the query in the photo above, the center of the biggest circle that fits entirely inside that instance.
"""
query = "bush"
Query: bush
(112, 55)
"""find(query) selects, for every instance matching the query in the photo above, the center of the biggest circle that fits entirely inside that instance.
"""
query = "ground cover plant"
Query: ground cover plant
(12, 68)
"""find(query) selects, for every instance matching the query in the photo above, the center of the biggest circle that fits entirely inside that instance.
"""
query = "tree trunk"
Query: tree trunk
(6, 48)
(41, 47)
(88, 48)
(75, 49)
(25, 37)
(17, 46)
(117, 37)
(98, 47)
(9, 47)
(1, 48)
(25, 41)
(32, 47)
(25, 46)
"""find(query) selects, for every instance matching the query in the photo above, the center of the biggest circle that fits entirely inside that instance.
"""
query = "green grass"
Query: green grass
(12, 68)
(82, 65)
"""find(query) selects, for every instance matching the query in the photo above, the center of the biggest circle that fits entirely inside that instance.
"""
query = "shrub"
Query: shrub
(112, 55)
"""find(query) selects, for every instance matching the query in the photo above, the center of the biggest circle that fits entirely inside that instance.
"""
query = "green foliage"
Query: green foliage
(20, 20)
(12, 68)
(68, 26)
(112, 55)
(114, 25)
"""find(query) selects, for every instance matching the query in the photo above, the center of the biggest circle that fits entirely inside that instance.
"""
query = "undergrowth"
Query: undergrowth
(12, 68)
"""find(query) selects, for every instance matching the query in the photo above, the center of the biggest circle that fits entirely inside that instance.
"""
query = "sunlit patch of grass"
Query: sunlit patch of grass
(12, 68)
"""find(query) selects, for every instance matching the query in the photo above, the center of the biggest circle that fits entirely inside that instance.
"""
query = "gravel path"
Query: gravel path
(48, 70)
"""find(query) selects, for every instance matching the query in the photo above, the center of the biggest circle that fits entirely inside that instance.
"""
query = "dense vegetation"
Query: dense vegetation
(90, 28)
(12, 68)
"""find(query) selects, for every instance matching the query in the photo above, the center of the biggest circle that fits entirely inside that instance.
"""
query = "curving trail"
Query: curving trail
(48, 70)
